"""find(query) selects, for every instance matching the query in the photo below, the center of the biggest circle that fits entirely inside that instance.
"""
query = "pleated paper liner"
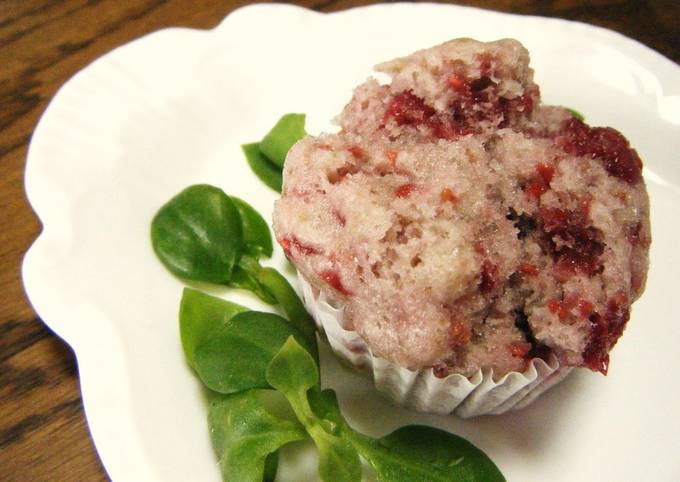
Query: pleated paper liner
(420, 389)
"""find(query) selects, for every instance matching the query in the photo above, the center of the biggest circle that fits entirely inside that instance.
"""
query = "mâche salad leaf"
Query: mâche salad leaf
(243, 279)
(411, 453)
(236, 356)
(200, 317)
(266, 158)
(244, 434)
(202, 234)
(243, 356)
(266, 171)
(197, 235)
(293, 372)
(417, 452)
(256, 237)
(288, 130)
(291, 304)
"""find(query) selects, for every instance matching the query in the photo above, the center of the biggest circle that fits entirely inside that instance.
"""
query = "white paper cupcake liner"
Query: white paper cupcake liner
(421, 390)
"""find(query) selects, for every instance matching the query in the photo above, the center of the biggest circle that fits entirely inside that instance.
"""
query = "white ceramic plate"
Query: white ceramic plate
(171, 109)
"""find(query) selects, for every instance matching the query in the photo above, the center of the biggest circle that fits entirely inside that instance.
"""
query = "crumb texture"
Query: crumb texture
(464, 225)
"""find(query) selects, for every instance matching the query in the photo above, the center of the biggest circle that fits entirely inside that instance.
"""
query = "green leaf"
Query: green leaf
(338, 459)
(290, 302)
(200, 317)
(293, 372)
(256, 236)
(576, 114)
(287, 131)
(245, 436)
(271, 466)
(273, 285)
(236, 357)
(268, 172)
(324, 403)
(241, 278)
(416, 453)
(197, 235)
(292, 369)
(413, 453)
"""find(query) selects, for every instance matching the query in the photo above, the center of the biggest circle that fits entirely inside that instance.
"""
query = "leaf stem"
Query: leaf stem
(286, 296)
(339, 458)
(290, 301)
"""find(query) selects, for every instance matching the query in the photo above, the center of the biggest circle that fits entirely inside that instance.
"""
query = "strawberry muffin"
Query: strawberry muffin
(461, 225)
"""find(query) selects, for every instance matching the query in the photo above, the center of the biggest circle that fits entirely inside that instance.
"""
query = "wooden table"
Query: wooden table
(43, 434)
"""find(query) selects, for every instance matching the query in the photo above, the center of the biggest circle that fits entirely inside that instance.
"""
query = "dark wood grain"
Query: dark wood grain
(43, 434)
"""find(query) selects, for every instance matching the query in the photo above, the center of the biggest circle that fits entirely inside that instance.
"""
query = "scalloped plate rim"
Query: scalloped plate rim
(30, 277)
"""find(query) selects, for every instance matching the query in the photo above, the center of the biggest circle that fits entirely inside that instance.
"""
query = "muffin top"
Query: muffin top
(462, 224)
